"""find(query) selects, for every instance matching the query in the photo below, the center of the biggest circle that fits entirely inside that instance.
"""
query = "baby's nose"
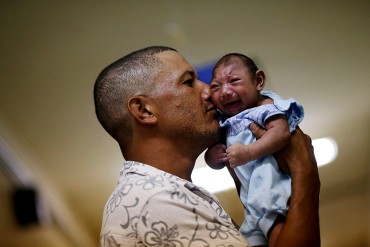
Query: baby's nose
(226, 90)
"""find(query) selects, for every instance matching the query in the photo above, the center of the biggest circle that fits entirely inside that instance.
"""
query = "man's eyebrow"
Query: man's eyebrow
(192, 73)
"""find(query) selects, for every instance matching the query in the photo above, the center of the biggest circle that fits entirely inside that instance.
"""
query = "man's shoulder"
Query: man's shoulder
(132, 194)
(135, 189)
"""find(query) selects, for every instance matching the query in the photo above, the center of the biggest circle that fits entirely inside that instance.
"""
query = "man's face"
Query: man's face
(184, 107)
(233, 88)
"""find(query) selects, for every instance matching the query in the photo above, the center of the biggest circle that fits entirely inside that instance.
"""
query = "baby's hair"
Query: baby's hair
(231, 57)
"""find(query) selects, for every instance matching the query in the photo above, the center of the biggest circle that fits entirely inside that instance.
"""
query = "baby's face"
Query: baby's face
(233, 88)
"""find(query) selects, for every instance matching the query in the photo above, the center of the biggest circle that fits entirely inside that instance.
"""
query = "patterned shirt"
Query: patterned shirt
(150, 207)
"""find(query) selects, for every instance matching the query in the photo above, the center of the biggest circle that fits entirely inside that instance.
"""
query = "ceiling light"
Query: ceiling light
(325, 150)
(212, 180)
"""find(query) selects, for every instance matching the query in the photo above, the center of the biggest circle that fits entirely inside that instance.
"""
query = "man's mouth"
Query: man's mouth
(214, 111)
(212, 108)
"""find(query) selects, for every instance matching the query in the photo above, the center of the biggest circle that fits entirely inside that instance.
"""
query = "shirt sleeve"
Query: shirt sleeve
(181, 219)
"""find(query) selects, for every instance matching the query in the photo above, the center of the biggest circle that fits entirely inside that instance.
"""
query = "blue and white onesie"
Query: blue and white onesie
(265, 190)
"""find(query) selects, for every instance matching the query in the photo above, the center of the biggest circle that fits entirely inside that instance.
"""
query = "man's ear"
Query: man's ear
(260, 79)
(141, 109)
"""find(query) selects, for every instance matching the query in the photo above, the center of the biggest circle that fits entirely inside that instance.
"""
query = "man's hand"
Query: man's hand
(216, 156)
(301, 225)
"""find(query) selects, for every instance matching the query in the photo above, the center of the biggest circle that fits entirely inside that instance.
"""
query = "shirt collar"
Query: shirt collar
(130, 167)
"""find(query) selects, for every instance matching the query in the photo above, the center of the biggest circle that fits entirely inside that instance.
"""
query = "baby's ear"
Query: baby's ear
(141, 109)
(260, 79)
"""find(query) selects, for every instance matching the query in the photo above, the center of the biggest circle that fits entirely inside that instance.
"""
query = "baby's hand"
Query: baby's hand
(238, 154)
(216, 156)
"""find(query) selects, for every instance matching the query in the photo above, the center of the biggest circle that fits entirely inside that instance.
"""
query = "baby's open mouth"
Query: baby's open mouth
(232, 104)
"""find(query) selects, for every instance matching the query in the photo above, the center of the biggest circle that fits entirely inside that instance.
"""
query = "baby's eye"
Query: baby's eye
(214, 87)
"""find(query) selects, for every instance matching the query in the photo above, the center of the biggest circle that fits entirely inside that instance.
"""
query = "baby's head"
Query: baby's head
(236, 84)
(233, 58)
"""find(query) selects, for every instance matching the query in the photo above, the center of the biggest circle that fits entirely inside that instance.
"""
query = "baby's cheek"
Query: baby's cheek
(215, 99)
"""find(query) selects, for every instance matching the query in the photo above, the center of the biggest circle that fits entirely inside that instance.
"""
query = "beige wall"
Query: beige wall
(13, 235)
(58, 226)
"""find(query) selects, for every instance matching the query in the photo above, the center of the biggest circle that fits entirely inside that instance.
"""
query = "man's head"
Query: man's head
(154, 91)
(133, 74)
(236, 83)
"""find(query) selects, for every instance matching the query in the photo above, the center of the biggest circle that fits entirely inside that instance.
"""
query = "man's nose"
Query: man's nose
(206, 92)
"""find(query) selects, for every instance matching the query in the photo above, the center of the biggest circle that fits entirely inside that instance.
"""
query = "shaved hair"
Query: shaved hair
(131, 75)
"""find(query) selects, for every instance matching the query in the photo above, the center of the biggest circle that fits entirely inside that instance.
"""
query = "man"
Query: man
(152, 103)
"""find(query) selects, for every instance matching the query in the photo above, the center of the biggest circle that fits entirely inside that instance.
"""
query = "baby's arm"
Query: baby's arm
(216, 156)
(276, 137)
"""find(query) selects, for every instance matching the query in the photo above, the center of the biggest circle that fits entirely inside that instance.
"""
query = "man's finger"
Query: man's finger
(257, 130)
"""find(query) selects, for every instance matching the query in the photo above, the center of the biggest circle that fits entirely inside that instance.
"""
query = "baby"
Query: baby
(236, 89)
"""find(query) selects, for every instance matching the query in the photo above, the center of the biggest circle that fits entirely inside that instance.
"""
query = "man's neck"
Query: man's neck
(172, 159)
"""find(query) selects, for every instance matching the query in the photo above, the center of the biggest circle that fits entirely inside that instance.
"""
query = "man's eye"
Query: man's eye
(189, 82)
